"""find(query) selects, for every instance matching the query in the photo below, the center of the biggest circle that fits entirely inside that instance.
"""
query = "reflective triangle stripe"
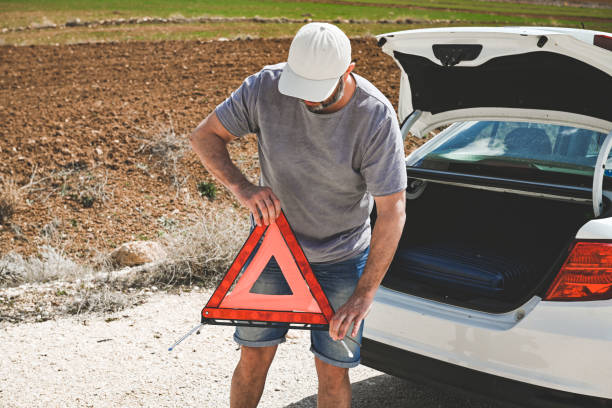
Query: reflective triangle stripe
(304, 266)
(236, 267)
(307, 303)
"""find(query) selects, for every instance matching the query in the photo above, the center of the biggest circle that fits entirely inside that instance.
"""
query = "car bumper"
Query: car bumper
(564, 346)
(423, 369)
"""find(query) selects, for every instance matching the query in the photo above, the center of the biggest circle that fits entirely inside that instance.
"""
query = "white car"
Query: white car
(502, 281)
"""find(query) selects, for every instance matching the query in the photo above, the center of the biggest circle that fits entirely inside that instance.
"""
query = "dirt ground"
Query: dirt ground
(80, 123)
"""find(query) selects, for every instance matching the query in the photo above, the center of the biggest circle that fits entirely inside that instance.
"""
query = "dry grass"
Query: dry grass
(91, 188)
(99, 299)
(83, 185)
(47, 285)
(50, 264)
(201, 252)
(11, 197)
(76, 181)
(50, 233)
(164, 149)
(198, 253)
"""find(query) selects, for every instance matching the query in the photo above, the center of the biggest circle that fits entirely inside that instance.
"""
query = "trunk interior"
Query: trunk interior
(480, 249)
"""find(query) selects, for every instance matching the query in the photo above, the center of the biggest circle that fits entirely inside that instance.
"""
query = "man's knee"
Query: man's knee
(331, 376)
(257, 358)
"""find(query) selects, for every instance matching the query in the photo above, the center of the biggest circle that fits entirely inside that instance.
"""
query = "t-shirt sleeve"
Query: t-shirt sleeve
(238, 113)
(384, 165)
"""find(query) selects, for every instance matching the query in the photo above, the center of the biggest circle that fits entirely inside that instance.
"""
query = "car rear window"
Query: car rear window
(545, 147)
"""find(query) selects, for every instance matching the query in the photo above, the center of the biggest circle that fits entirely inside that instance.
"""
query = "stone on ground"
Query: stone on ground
(138, 253)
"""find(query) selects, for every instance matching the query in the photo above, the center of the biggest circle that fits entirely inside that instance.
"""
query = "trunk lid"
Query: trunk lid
(549, 75)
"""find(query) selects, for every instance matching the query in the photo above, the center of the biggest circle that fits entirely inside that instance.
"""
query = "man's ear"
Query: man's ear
(348, 70)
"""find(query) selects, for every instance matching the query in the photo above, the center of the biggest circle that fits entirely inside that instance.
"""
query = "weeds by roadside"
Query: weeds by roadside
(103, 299)
(50, 264)
(165, 149)
(200, 252)
(10, 199)
(208, 190)
(76, 181)
(50, 284)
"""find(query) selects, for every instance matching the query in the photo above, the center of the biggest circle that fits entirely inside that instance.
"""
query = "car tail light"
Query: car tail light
(603, 41)
(585, 275)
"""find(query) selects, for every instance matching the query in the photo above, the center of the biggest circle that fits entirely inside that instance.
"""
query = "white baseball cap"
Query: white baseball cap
(319, 54)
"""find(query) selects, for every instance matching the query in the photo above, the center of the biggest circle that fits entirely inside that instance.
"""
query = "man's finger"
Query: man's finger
(334, 325)
(346, 323)
(263, 209)
(356, 327)
(271, 210)
(277, 204)
(255, 213)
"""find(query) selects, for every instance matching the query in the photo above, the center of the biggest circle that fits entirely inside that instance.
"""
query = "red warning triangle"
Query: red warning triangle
(306, 305)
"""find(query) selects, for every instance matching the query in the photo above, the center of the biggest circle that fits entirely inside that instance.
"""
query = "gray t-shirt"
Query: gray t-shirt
(324, 168)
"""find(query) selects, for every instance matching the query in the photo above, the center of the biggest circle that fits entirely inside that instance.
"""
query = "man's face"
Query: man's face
(338, 93)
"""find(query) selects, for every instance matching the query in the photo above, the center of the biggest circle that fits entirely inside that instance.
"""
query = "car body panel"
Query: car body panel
(563, 48)
(426, 370)
(546, 347)
(600, 229)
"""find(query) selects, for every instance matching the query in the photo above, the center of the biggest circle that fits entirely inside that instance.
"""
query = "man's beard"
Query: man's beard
(336, 96)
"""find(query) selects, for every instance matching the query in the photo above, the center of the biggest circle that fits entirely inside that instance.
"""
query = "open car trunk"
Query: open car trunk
(480, 249)
(492, 248)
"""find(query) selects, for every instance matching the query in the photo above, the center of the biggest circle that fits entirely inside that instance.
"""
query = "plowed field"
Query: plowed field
(85, 125)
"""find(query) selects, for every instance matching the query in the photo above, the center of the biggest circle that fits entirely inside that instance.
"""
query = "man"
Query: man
(329, 146)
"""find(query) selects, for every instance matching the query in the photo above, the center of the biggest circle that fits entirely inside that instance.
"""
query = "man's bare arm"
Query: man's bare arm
(209, 140)
(390, 218)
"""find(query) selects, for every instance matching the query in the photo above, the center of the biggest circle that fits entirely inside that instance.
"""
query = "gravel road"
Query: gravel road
(121, 360)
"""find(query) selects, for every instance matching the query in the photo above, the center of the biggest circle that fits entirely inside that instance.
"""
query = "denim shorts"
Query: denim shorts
(338, 281)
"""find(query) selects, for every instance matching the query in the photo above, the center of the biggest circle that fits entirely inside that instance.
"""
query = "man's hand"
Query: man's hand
(352, 312)
(262, 202)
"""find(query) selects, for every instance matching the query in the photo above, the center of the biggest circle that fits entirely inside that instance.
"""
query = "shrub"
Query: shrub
(166, 149)
(101, 299)
(49, 264)
(89, 189)
(10, 199)
(203, 251)
(208, 190)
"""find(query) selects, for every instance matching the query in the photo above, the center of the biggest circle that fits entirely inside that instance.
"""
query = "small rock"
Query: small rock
(138, 253)
(44, 24)
(73, 23)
